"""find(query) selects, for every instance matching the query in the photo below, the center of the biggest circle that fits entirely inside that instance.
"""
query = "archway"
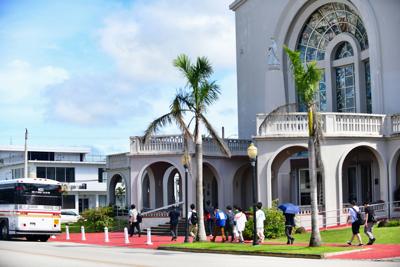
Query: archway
(117, 191)
(290, 181)
(242, 187)
(161, 184)
(210, 185)
(396, 189)
(361, 176)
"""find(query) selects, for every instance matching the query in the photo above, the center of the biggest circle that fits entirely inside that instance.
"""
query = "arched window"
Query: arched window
(329, 37)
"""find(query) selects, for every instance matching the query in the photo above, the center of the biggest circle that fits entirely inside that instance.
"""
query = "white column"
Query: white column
(97, 200)
(77, 202)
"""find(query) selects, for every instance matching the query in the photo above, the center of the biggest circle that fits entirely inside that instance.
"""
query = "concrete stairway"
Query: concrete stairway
(164, 229)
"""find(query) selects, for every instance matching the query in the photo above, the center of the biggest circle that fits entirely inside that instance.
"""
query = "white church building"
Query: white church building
(356, 44)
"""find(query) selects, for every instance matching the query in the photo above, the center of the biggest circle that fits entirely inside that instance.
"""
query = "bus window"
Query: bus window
(38, 194)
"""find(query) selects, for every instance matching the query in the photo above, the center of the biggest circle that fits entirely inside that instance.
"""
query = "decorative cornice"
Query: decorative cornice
(235, 5)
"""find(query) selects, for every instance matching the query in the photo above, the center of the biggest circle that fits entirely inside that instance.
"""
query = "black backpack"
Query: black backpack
(193, 218)
(139, 218)
(360, 217)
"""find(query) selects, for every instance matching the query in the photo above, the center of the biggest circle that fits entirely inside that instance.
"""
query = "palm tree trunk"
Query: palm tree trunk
(315, 240)
(199, 185)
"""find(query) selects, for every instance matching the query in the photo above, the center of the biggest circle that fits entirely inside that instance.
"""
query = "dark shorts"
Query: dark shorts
(355, 228)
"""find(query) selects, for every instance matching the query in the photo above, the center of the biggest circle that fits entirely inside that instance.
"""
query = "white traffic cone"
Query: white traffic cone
(126, 235)
(106, 239)
(149, 237)
(83, 233)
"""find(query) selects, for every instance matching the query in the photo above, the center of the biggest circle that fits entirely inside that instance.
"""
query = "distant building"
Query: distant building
(82, 173)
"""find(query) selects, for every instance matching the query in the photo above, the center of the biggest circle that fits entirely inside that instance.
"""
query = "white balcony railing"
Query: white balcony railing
(395, 123)
(333, 124)
(170, 144)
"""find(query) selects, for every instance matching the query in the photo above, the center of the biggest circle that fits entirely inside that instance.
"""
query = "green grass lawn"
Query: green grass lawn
(249, 248)
(383, 235)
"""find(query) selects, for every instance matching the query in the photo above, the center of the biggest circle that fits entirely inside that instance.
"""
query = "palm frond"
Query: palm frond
(273, 116)
(155, 125)
(209, 93)
(203, 67)
(217, 140)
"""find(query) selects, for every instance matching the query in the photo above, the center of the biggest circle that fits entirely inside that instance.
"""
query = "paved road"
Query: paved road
(60, 254)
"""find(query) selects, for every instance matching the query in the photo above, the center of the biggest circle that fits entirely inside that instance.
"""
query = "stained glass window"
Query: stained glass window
(368, 87)
(344, 50)
(324, 24)
(345, 93)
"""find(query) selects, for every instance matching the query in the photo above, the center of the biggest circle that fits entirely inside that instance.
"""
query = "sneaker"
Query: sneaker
(292, 240)
(348, 243)
(373, 240)
(361, 244)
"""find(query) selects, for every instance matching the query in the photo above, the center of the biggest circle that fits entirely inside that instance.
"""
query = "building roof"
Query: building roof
(61, 149)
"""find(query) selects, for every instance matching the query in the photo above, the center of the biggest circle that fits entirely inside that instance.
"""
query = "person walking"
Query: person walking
(260, 216)
(209, 218)
(289, 224)
(174, 220)
(133, 221)
(369, 222)
(355, 224)
(230, 223)
(193, 220)
(220, 221)
(240, 224)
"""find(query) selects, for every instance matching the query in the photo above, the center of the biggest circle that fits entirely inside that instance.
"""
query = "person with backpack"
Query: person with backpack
(220, 221)
(369, 222)
(174, 220)
(134, 221)
(230, 223)
(355, 218)
(209, 218)
(193, 221)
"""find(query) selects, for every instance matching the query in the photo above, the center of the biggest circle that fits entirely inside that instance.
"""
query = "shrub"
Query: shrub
(98, 218)
(274, 224)
(300, 230)
(389, 223)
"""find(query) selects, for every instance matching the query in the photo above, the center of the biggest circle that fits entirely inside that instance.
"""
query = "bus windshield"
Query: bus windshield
(38, 194)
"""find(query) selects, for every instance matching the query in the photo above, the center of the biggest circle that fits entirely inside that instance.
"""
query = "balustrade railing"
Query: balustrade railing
(332, 124)
(175, 144)
(395, 123)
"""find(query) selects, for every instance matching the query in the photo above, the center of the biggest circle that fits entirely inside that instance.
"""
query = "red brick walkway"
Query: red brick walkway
(377, 251)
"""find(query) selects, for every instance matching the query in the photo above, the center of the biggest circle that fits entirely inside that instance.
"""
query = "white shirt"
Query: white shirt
(133, 215)
(240, 219)
(260, 216)
(353, 213)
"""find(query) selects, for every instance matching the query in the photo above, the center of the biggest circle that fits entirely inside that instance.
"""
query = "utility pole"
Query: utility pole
(26, 155)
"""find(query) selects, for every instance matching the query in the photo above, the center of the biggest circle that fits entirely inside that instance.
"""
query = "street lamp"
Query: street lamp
(252, 153)
(185, 162)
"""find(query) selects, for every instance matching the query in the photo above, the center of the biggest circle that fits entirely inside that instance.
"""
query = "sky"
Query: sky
(94, 72)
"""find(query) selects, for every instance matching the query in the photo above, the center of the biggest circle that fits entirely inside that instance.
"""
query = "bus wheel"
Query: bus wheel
(32, 238)
(44, 238)
(4, 231)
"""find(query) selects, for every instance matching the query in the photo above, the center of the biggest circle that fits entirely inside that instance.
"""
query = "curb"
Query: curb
(251, 253)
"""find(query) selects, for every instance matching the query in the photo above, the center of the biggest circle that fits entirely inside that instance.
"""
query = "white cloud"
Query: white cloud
(19, 81)
(144, 40)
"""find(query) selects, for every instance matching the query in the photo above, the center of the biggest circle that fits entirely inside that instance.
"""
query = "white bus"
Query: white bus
(30, 207)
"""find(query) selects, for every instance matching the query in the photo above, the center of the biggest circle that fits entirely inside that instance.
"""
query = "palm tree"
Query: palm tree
(307, 81)
(193, 99)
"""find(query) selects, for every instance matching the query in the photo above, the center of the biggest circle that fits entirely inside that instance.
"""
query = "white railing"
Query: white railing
(173, 144)
(333, 124)
(358, 124)
(395, 123)
(284, 124)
